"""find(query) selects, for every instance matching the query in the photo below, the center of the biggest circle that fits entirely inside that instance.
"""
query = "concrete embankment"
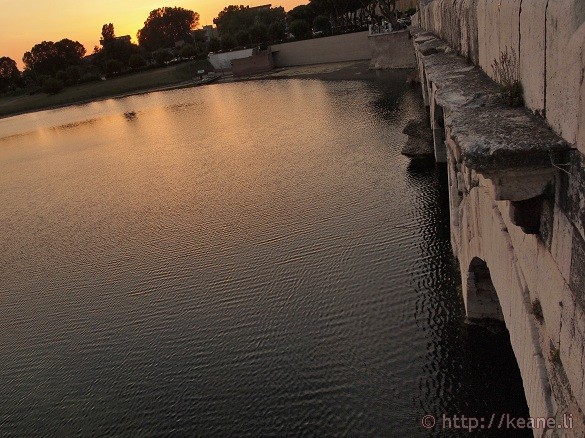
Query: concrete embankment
(338, 48)
(393, 50)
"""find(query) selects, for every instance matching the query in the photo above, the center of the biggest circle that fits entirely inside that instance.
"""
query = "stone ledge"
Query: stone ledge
(490, 135)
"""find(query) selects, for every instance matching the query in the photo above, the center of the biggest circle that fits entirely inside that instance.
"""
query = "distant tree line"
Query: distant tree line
(337, 16)
(242, 26)
(10, 76)
(49, 66)
(168, 33)
(171, 33)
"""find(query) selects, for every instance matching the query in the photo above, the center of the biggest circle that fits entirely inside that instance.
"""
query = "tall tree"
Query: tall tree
(165, 26)
(302, 12)
(322, 24)
(69, 52)
(9, 73)
(277, 31)
(108, 33)
(113, 48)
(48, 58)
(300, 29)
(388, 8)
(369, 7)
(233, 19)
(258, 34)
(41, 58)
(269, 16)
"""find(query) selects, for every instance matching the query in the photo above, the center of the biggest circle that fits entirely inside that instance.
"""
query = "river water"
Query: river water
(245, 259)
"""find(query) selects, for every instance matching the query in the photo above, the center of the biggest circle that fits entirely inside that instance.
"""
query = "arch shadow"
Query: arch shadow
(482, 300)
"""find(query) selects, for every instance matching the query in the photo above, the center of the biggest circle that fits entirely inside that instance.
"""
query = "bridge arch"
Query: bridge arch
(493, 286)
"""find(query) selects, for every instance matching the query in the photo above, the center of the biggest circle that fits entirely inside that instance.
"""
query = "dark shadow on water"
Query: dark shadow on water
(421, 168)
(389, 85)
(469, 369)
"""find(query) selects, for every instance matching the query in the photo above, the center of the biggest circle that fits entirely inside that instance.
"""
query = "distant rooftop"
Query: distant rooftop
(118, 38)
(268, 6)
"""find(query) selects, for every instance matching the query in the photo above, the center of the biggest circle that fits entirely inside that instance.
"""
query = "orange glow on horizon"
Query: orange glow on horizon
(24, 25)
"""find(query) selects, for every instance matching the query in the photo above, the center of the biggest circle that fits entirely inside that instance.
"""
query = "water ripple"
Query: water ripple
(251, 259)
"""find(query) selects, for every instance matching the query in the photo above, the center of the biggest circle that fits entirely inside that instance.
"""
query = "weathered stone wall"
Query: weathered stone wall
(548, 38)
(338, 48)
(453, 21)
(537, 269)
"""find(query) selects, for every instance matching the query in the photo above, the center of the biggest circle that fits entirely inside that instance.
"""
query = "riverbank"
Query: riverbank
(172, 78)
(335, 71)
(176, 76)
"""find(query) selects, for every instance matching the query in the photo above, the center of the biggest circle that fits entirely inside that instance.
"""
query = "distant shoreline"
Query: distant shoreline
(350, 70)
(178, 86)
(176, 76)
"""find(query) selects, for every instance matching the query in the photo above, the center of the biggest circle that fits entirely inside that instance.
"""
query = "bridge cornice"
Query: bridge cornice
(510, 146)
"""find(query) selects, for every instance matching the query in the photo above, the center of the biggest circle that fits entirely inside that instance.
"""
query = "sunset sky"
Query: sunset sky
(24, 24)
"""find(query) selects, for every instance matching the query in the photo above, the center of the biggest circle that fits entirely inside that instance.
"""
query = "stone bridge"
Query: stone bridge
(516, 179)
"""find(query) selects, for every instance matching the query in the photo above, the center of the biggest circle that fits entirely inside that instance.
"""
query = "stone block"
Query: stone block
(509, 25)
(469, 32)
(525, 248)
(488, 34)
(433, 17)
(532, 53)
(581, 116)
(547, 220)
(574, 369)
(570, 189)
(577, 280)
(566, 344)
(549, 289)
(562, 243)
(444, 21)
(518, 184)
(572, 338)
(564, 49)
(568, 313)
(579, 323)
(425, 14)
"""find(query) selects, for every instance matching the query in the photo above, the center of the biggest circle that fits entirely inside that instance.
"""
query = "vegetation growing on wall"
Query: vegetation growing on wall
(506, 73)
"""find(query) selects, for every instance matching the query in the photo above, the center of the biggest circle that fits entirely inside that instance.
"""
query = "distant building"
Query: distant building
(258, 8)
(125, 38)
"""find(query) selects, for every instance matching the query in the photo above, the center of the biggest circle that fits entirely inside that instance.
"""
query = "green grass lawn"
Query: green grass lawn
(131, 83)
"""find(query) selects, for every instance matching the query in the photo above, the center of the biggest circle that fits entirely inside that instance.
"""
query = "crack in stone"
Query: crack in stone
(545, 60)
